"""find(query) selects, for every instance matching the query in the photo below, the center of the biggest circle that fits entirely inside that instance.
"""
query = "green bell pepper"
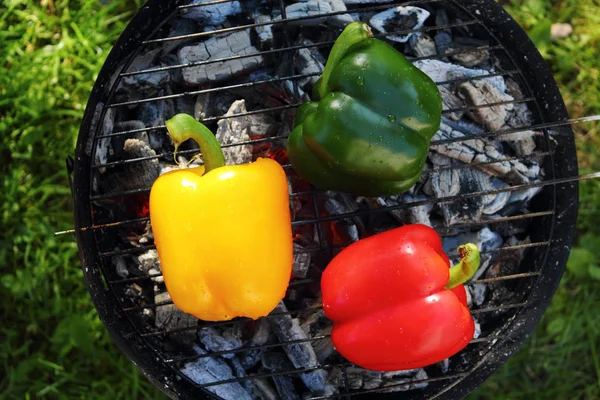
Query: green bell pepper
(368, 129)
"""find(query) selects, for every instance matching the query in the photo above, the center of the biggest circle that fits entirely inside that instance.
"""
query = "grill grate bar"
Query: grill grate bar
(212, 90)
(520, 246)
(270, 139)
(501, 249)
(493, 161)
(482, 282)
(403, 206)
(204, 4)
(487, 105)
(283, 79)
(293, 312)
(443, 229)
(311, 192)
(499, 308)
(406, 383)
(448, 199)
(498, 133)
(495, 220)
(507, 277)
(298, 47)
(244, 349)
(271, 374)
(306, 281)
(209, 119)
(285, 21)
(260, 347)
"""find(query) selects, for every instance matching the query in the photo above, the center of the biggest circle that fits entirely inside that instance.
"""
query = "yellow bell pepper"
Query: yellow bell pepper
(223, 233)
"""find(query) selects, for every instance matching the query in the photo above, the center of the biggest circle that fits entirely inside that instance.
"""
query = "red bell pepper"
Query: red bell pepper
(394, 301)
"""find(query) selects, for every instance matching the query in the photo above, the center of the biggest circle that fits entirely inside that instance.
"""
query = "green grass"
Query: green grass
(52, 344)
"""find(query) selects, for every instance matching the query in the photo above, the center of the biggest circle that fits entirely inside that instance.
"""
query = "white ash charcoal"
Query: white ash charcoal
(261, 334)
(216, 340)
(418, 214)
(444, 365)
(359, 378)
(422, 45)
(145, 171)
(479, 93)
(169, 317)
(240, 372)
(402, 385)
(308, 61)
(339, 20)
(301, 262)
(274, 361)
(450, 101)
(148, 261)
(121, 266)
(136, 175)
(262, 125)
(389, 201)
(302, 355)
(316, 324)
(399, 19)
(470, 180)
(210, 370)
(499, 200)
(235, 130)
(264, 33)
(310, 8)
(477, 292)
(235, 44)
(464, 126)
(440, 71)
(212, 14)
(521, 197)
(250, 358)
(522, 143)
(470, 58)
(480, 151)
(339, 203)
(477, 332)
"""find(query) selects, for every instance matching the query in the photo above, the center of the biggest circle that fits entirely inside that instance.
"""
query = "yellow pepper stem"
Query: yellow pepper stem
(183, 127)
(352, 34)
(466, 268)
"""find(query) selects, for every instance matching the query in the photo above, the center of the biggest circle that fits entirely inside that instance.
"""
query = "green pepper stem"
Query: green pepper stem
(352, 34)
(183, 127)
(466, 268)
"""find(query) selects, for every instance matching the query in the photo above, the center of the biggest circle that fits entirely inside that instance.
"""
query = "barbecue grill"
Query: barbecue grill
(502, 172)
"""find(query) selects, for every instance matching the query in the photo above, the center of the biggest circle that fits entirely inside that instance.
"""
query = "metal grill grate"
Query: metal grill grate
(99, 226)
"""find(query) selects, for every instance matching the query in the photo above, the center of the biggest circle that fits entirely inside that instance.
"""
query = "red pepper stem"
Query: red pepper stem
(466, 268)
(183, 127)
(352, 34)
